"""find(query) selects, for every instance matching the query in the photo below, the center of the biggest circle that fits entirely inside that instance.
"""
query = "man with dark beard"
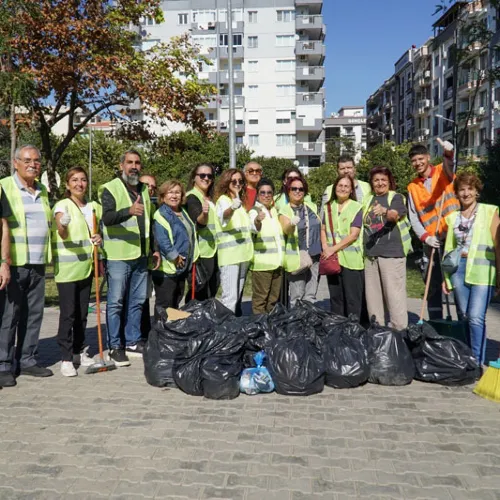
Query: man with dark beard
(126, 214)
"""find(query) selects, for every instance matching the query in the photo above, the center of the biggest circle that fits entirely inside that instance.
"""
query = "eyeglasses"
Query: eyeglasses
(297, 189)
(237, 183)
(205, 176)
(265, 193)
(150, 186)
(36, 161)
(254, 171)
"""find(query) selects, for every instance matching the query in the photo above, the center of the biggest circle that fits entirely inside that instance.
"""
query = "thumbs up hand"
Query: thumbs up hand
(294, 221)
(205, 207)
(378, 209)
(447, 147)
(66, 218)
(137, 207)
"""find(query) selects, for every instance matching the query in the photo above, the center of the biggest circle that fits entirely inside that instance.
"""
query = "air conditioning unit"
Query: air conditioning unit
(223, 124)
(427, 74)
(445, 55)
(211, 25)
(426, 131)
(202, 26)
(496, 105)
(481, 111)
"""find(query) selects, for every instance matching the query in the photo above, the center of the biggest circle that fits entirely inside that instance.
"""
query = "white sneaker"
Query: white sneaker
(67, 369)
(83, 359)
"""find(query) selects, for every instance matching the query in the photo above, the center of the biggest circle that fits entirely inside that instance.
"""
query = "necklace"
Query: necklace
(465, 227)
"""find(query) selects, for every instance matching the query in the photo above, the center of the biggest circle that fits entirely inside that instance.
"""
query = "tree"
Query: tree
(82, 57)
(337, 146)
(273, 168)
(319, 178)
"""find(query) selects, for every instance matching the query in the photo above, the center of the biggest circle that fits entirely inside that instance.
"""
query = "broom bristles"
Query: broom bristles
(488, 386)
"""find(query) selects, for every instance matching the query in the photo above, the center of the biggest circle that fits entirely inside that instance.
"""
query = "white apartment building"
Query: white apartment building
(278, 57)
(348, 123)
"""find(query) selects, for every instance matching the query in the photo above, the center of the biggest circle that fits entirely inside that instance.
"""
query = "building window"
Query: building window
(285, 40)
(236, 15)
(239, 139)
(253, 117)
(253, 42)
(285, 16)
(253, 66)
(203, 16)
(253, 140)
(436, 61)
(285, 139)
(284, 116)
(253, 90)
(285, 90)
(205, 41)
(147, 21)
(182, 18)
(285, 65)
(224, 40)
(252, 16)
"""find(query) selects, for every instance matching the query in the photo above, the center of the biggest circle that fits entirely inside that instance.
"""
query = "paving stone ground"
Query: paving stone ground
(112, 435)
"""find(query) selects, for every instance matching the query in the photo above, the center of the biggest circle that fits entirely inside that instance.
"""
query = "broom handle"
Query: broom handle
(193, 280)
(97, 294)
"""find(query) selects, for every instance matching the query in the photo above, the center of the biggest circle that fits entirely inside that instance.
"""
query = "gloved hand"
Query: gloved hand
(294, 221)
(65, 219)
(236, 204)
(447, 147)
(432, 241)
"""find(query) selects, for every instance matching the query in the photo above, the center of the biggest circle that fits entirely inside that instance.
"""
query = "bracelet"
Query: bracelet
(5, 261)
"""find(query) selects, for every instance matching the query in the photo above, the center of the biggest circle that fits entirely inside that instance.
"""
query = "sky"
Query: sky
(364, 39)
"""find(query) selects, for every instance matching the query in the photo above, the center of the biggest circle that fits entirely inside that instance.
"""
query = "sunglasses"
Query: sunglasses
(237, 183)
(252, 171)
(205, 176)
(266, 193)
(297, 189)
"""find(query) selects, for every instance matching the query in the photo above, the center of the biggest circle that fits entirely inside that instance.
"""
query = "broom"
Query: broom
(102, 365)
(488, 386)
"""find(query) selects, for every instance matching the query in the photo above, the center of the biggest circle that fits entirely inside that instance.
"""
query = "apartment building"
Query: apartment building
(348, 123)
(381, 114)
(278, 69)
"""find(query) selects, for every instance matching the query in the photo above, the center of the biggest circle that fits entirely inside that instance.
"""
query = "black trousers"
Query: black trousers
(210, 289)
(346, 292)
(169, 290)
(74, 300)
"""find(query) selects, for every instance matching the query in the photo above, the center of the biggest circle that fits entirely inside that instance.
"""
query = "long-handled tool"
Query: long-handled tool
(193, 281)
(102, 365)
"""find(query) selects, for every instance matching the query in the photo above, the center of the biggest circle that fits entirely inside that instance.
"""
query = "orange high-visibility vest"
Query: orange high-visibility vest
(428, 204)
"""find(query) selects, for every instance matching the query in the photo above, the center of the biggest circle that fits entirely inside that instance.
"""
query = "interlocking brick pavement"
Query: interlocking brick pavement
(111, 435)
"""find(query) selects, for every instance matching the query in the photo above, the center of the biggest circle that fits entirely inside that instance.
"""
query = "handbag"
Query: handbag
(451, 260)
(305, 259)
(331, 265)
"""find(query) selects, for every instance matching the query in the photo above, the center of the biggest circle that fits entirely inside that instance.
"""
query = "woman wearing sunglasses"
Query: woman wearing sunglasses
(201, 210)
(269, 250)
(281, 199)
(234, 239)
(302, 228)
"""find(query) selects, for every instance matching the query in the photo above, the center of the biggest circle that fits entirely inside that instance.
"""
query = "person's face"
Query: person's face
(203, 178)
(173, 197)
(343, 190)
(150, 183)
(77, 185)
(467, 195)
(420, 163)
(131, 166)
(296, 193)
(265, 196)
(28, 165)
(253, 174)
(380, 184)
(347, 168)
(236, 184)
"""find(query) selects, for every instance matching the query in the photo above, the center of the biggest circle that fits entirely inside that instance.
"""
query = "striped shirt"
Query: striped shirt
(37, 225)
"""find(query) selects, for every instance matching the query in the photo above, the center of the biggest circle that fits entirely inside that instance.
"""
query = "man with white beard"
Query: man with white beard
(126, 216)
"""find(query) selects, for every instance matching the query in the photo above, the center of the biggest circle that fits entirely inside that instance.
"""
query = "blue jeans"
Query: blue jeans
(472, 304)
(127, 284)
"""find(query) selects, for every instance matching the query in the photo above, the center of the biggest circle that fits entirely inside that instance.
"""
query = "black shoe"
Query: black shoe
(36, 371)
(7, 379)
(119, 357)
(135, 350)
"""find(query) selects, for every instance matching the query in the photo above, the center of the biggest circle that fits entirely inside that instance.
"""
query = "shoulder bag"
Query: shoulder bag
(331, 265)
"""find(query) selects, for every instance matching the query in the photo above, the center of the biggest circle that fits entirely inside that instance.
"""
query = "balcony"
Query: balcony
(309, 149)
(239, 128)
(314, 6)
(314, 76)
(309, 98)
(238, 52)
(312, 24)
(313, 50)
(239, 101)
(477, 8)
(238, 27)
(315, 125)
(448, 93)
(238, 76)
(204, 28)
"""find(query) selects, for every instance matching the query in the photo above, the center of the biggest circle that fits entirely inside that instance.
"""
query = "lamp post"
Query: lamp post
(232, 117)
(377, 132)
(455, 139)
(90, 162)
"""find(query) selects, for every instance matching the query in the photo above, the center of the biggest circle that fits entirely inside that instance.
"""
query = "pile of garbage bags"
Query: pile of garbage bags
(295, 352)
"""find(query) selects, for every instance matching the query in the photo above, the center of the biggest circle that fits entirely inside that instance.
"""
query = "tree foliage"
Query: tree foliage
(319, 178)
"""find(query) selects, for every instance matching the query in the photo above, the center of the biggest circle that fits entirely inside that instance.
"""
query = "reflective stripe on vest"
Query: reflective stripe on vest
(481, 262)
(207, 236)
(123, 241)
(234, 241)
(168, 266)
(403, 224)
(17, 222)
(73, 256)
(267, 256)
(350, 257)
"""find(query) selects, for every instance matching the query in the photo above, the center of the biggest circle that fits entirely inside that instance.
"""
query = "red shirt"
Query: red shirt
(250, 198)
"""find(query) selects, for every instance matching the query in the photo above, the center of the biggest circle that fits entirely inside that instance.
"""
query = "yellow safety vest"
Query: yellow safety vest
(292, 251)
(481, 263)
(207, 235)
(234, 241)
(123, 241)
(366, 189)
(168, 266)
(73, 256)
(267, 243)
(350, 257)
(17, 222)
(403, 223)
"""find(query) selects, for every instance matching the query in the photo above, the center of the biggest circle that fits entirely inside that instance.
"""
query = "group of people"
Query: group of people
(210, 234)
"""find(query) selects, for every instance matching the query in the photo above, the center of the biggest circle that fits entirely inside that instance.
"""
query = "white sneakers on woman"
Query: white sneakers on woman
(67, 369)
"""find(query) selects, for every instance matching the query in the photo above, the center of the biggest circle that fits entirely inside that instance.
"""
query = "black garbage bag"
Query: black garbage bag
(441, 360)
(221, 377)
(334, 324)
(296, 366)
(389, 357)
(345, 359)
(210, 311)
